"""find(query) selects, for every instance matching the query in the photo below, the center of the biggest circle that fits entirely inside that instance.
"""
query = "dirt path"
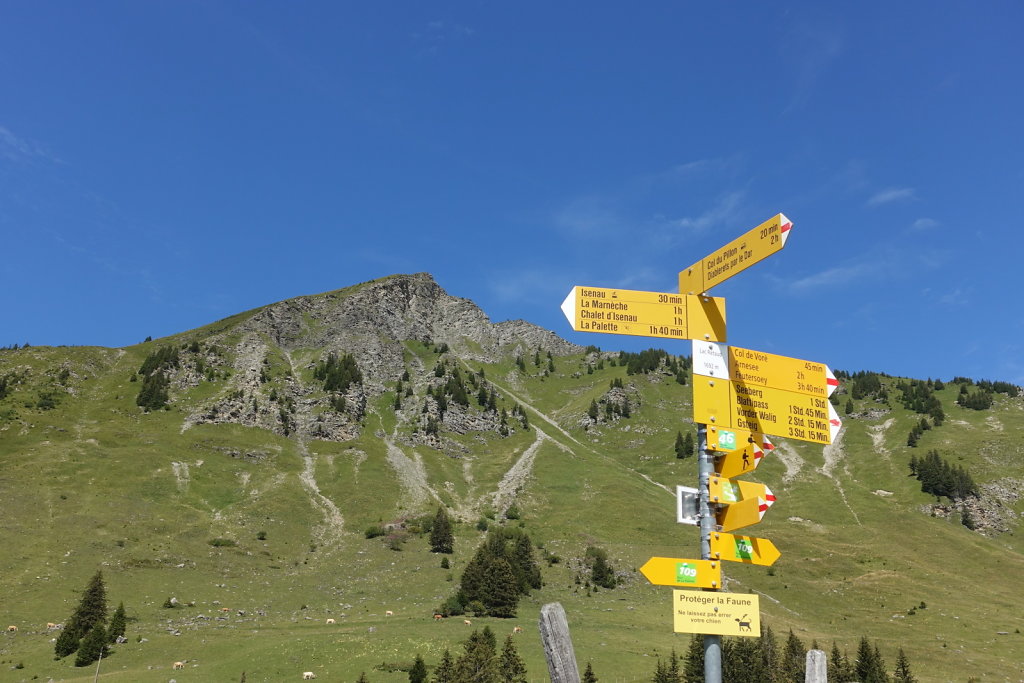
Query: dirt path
(330, 531)
(517, 476)
(835, 455)
(877, 433)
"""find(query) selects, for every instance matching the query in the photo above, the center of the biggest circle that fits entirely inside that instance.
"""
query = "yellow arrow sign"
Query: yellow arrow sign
(758, 368)
(726, 405)
(645, 314)
(738, 255)
(672, 571)
(737, 451)
(746, 549)
(726, 614)
(744, 513)
(729, 491)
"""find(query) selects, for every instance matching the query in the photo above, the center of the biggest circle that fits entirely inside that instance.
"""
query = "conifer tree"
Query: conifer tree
(91, 610)
(93, 645)
(511, 668)
(680, 453)
(501, 589)
(441, 538)
(793, 659)
(479, 661)
(418, 672)
(672, 673)
(117, 624)
(769, 650)
(693, 667)
(445, 671)
(869, 667)
(592, 410)
(588, 675)
(902, 673)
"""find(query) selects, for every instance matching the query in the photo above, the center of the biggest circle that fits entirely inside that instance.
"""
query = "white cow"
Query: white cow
(308, 675)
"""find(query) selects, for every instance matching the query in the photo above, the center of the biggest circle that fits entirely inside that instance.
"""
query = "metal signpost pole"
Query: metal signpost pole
(706, 465)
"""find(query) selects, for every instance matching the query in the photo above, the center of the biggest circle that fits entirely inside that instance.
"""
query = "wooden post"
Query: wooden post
(554, 634)
(817, 669)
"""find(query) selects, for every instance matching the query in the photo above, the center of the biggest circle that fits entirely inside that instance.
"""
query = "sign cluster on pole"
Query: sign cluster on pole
(739, 396)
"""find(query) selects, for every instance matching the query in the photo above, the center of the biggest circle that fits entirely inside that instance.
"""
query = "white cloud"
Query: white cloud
(894, 194)
(831, 277)
(924, 224)
(722, 213)
(19, 149)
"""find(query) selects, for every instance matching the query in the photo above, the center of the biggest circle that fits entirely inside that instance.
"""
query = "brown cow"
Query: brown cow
(438, 617)
(12, 629)
(178, 665)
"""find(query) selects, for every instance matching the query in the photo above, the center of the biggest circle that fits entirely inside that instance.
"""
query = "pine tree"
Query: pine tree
(769, 651)
(445, 671)
(418, 672)
(849, 406)
(793, 660)
(902, 673)
(93, 646)
(592, 410)
(117, 624)
(679, 445)
(441, 538)
(511, 668)
(588, 675)
(91, 610)
(501, 589)
(693, 667)
(479, 661)
(672, 674)
(869, 668)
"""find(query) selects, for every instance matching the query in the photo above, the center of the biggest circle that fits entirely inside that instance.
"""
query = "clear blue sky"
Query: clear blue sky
(167, 164)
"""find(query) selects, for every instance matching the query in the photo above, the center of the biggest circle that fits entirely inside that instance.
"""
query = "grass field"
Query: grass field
(94, 483)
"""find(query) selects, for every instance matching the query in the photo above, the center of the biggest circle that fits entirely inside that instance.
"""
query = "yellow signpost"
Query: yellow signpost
(724, 614)
(645, 314)
(758, 368)
(737, 451)
(745, 549)
(672, 571)
(738, 255)
(738, 405)
(728, 491)
(741, 514)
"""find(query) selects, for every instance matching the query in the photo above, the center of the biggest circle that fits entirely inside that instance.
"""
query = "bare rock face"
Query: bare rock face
(373, 322)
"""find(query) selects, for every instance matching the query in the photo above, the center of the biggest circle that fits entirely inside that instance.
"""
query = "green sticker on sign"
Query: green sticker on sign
(726, 440)
(686, 572)
(744, 549)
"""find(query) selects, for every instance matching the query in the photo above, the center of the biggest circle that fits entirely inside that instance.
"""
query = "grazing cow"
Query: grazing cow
(308, 675)
(330, 621)
(517, 629)
(389, 613)
(225, 609)
(12, 629)
(178, 665)
(50, 626)
(467, 622)
(438, 617)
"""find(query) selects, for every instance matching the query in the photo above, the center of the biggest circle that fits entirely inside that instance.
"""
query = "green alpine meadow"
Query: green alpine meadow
(380, 482)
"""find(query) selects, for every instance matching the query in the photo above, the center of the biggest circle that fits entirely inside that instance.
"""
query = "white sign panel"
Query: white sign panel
(711, 359)
(686, 506)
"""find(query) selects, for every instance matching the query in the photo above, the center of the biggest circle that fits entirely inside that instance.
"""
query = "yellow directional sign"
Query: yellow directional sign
(724, 614)
(672, 571)
(737, 451)
(738, 255)
(745, 549)
(729, 491)
(758, 368)
(645, 314)
(744, 513)
(781, 372)
(726, 405)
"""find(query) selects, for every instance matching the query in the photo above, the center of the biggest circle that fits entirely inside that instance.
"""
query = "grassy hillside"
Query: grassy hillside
(272, 526)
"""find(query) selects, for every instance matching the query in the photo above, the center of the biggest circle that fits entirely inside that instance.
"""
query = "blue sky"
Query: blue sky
(167, 164)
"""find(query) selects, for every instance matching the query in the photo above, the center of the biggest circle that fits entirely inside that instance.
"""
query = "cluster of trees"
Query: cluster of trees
(8, 381)
(612, 409)
(153, 392)
(338, 374)
(939, 478)
(863, 384)
(502, 570)
(86, 631)
(762, 660)
(685, 445)
(479, 662)
(644, 362)
(978, 400)
(601, 571)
